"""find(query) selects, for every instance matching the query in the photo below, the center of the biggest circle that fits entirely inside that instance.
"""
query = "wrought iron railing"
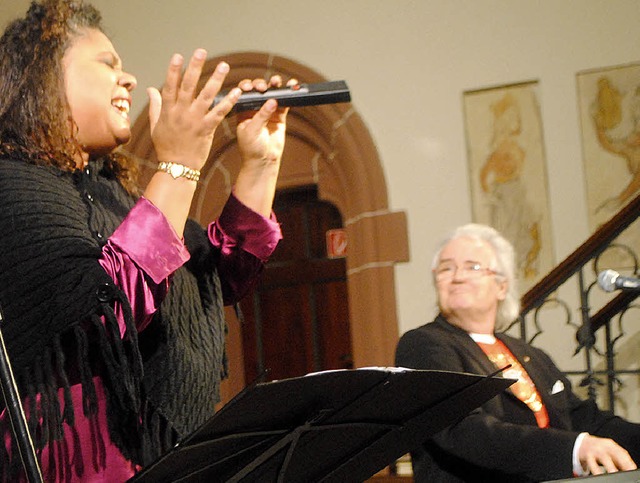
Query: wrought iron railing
(604, 321)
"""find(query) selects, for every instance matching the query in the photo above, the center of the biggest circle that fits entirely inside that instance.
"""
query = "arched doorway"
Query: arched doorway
(328, 147)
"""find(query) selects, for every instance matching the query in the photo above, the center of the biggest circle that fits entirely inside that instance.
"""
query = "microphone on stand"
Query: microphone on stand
(610, 280)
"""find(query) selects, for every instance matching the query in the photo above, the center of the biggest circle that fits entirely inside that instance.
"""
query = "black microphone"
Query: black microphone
(298, 95)
(610, 280)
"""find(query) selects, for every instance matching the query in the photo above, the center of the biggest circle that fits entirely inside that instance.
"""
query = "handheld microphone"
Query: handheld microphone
(610, 280)
(294, 96)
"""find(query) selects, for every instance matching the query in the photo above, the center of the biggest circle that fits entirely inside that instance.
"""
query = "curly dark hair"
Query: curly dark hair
(34, 113)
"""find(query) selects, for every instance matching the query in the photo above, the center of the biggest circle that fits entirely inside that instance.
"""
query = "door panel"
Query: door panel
(285, 316)
(297, 319)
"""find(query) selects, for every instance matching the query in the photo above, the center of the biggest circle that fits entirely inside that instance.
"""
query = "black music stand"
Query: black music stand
(15, 413)
(334, 426)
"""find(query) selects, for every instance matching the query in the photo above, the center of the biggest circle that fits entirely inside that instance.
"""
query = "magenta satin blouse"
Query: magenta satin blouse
(142, 270)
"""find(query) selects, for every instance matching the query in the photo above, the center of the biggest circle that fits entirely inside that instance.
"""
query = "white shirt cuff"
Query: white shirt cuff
(577, 466)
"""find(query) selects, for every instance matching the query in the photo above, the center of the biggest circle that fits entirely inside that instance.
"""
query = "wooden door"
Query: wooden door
(296, 320)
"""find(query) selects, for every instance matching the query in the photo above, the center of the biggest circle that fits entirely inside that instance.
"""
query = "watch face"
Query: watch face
(176, 170)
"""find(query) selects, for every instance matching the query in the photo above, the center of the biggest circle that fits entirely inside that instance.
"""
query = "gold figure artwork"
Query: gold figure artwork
(607, 117)
(609, 102)
(500, 179)
(508, 173)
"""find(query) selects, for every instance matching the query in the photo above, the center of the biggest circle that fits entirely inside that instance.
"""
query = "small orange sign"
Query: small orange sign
(337, 243)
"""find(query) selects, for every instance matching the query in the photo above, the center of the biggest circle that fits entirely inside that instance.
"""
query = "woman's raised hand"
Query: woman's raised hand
(182, 121)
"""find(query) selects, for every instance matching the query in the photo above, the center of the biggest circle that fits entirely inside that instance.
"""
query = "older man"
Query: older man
(538, 429)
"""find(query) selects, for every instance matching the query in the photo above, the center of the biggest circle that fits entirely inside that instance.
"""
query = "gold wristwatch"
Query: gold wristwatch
(177, 170)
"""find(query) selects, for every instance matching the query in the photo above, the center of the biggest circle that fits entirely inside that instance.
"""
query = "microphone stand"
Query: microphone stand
(16, 415)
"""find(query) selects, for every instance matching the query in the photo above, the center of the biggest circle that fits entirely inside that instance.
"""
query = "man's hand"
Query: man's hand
(603, 455)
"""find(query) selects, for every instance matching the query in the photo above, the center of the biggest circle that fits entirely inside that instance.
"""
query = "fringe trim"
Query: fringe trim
(120, 367)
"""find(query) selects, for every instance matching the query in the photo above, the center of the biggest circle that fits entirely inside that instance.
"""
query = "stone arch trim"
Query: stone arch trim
(328, 146)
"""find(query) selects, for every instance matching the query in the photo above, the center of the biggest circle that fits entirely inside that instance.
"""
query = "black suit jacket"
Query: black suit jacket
(501, 441)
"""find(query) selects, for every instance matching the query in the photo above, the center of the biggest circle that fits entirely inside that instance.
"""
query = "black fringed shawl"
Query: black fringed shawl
(55, 296)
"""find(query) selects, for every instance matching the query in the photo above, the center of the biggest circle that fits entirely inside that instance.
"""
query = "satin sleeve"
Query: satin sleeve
(140, 256)
(245, 240)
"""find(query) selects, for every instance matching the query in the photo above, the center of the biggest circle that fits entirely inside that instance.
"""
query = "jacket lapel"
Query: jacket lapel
(464, 341)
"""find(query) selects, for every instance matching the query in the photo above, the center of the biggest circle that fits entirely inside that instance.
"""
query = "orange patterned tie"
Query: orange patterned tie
(524, 389)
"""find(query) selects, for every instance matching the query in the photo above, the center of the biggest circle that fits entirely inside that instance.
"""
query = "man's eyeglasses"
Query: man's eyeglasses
(468, 270)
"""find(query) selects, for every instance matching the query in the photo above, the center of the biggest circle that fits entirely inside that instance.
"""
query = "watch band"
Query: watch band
(177, 170)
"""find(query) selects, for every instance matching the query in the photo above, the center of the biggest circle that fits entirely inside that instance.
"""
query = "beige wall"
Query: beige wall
(407, 63)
